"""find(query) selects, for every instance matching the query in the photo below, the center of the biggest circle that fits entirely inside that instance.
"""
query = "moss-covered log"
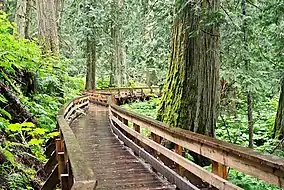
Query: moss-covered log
(15, 107)
(191, 91)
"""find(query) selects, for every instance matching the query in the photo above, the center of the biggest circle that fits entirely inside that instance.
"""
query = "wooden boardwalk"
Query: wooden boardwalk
(114, 165)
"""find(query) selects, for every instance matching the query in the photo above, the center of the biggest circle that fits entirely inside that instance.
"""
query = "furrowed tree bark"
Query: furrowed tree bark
(47, 25)
(191, 91)
(118, 67)
(20, 17)
(279, 120)
(23, 17)
(28, 18)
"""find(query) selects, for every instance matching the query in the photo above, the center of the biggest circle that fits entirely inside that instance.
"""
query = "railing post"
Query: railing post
(137, 129)
(62, 160)
(179, 150)
(219, 169)
(158, 140)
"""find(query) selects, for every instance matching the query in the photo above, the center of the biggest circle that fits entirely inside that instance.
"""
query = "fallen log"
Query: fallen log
(17, 110)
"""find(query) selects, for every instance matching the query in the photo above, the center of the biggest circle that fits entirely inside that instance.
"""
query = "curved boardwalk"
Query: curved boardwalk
(115, 167)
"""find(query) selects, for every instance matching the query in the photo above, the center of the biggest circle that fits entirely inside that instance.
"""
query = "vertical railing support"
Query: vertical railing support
(158, 140)
(179, 150)
(219, 169)
(137, 129)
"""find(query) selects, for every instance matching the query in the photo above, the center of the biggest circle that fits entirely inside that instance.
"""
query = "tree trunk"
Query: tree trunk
(279, 120)
(250, 119)
(23, 17)
(59, 7)
(20, 17)
(191, 91)
(15, 107)
(47, 25)
(28, 18)
(91, 65)
(247, 63)
(118, 66)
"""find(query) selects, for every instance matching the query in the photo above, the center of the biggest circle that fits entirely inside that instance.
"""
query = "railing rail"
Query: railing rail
(222, 154)
(67, 165)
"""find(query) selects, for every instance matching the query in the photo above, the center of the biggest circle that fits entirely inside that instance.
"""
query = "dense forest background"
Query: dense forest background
(50, 51)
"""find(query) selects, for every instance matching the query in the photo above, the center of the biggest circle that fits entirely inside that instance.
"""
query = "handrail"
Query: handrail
(72, 170)
(265, 167)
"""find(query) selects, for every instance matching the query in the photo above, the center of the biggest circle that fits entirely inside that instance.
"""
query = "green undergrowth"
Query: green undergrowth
(21, 142)
(236, 128)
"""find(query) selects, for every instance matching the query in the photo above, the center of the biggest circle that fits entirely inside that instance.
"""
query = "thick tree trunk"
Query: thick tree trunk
(191, 89)
(279, 120)
(118, 77)
(47, 25)
(91, 65)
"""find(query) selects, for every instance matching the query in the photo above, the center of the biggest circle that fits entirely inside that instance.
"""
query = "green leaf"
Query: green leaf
(5, 113)
(53, 134)
(15, 127)
(28, 124)
(3, 99)
(10, 157)
(36, 141)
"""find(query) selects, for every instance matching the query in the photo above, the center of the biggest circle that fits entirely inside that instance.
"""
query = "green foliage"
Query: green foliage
(147, 108)
(22, 54)
(249, 183)
(54, 86)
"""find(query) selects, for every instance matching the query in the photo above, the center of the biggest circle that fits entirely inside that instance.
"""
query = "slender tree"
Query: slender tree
(191, 91)
(91, 65)
(247, 67)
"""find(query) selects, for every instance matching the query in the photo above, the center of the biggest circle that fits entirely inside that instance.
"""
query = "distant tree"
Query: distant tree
(23, 17)
(279, 120)
(47, 25)
(191, 91)
(91, 64)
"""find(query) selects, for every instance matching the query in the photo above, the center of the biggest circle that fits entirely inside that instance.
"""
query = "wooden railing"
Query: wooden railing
(128, 125)
(66, 165)
(132, 92)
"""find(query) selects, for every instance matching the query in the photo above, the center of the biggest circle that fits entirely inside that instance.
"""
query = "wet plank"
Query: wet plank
(114, 165)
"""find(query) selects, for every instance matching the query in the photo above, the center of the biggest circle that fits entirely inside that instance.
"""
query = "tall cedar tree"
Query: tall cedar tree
(191, 91)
